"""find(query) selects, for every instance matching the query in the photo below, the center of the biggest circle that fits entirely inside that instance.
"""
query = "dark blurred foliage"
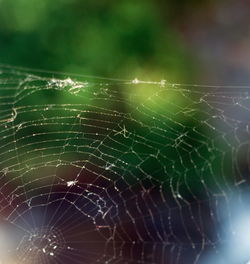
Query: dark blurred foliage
(107, 38)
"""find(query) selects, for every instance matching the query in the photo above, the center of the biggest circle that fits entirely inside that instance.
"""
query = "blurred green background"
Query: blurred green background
(103, 38)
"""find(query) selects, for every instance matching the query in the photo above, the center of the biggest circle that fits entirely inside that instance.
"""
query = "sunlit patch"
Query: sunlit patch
(144, 90)
(234, 232)
(41, 244)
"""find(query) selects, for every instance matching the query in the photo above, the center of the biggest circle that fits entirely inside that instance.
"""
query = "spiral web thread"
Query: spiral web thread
(97, 170)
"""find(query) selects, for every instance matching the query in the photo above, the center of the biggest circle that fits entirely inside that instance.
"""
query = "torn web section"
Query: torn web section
(11, 85)
(10, 167)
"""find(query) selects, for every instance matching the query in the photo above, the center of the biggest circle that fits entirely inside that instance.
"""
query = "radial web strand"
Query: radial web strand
(98, 170)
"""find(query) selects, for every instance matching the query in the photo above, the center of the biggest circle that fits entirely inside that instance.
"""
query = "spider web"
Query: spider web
(97, 170)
